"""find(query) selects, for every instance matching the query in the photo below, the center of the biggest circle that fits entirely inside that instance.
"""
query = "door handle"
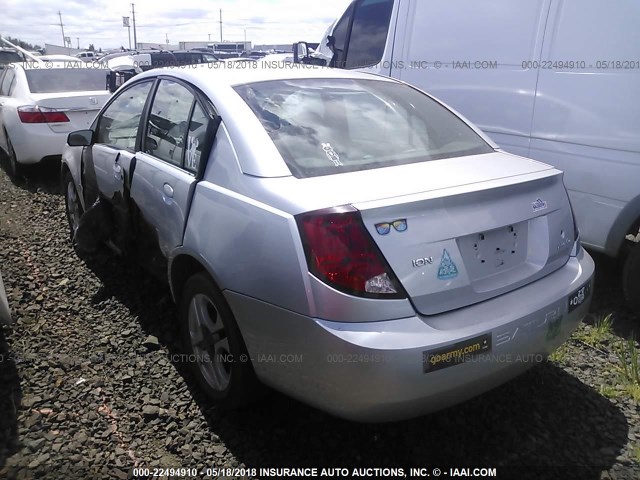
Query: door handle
(117, 171)
(168, 190)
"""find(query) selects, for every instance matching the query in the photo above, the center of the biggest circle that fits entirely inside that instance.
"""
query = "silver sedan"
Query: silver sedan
(344, 238)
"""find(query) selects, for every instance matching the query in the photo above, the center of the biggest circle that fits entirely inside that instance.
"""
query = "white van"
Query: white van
(554, 80)
(87, 56)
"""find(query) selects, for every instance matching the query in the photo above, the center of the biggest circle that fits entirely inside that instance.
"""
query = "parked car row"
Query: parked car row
(342, 237)
(39, 107)
(40, 104)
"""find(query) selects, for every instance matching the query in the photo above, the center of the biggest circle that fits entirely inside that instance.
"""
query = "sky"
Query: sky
(99, 22)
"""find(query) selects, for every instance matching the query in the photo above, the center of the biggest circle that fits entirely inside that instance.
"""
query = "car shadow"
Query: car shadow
(480, 432)
(515, 427)
(44, 177)
(10, 398)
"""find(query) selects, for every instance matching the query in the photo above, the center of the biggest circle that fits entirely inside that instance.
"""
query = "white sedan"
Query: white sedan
(41, 102)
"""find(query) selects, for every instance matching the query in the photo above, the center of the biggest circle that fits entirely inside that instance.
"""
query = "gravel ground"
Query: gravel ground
(88, 388)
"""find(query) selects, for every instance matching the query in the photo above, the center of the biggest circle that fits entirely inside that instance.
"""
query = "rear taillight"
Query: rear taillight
(341, 253)
(41, 115)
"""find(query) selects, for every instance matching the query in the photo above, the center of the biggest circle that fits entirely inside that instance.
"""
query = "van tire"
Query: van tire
(230, 384)
(631, 278)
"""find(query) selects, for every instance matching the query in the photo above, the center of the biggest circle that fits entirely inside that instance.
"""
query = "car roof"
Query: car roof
(233, 73)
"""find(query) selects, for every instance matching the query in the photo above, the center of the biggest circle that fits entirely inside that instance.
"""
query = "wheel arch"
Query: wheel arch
(627, 222)
(182, 265)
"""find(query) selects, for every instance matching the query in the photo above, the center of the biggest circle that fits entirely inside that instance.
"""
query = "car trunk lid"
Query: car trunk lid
(460, 245)
(80, 107)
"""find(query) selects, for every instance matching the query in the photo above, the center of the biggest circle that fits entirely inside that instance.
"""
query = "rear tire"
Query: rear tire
(13, 166)
(631, 278)
(217, 354)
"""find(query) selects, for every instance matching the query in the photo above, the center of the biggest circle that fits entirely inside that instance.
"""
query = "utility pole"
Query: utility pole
(135, 37)
(78, 40)
(209, 37)
(64, 42)
(221, 25)
(125, 23)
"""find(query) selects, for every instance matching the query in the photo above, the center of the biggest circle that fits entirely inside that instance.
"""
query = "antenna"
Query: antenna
(64, 39)
(135, 37)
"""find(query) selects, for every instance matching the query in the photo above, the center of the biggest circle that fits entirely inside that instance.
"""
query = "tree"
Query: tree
(91, 48)
(20, 43)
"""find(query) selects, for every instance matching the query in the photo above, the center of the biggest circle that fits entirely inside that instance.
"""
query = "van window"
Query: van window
(340, 34)
(503, 31)
(369, 33)
(580, 33)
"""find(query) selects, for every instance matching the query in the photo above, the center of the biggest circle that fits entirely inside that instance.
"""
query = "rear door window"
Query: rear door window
(7, 82)
(196, 139)
(169, 122)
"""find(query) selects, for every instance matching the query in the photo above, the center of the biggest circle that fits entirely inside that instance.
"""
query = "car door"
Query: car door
(117, 133)
(176, 142)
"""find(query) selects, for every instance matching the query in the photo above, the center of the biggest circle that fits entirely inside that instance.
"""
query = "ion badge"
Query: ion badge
(538, 205)
(447, 269)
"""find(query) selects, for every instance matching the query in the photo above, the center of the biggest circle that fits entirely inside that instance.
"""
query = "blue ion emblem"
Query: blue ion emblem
(447, 268)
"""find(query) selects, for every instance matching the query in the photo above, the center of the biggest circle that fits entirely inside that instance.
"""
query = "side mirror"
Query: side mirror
(300, 52)
(80, 138)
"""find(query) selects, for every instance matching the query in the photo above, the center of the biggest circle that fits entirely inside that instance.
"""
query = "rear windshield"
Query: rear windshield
(328, 126)
(52, 80)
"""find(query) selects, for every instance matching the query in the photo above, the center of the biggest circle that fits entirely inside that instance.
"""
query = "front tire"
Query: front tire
(631, 278)
(216, 352)
(73, 207)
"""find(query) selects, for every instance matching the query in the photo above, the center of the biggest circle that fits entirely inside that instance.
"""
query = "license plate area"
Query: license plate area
(578, 297)
(493, 251)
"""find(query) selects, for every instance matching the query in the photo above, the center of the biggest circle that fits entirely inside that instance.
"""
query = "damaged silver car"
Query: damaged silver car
(344, 238)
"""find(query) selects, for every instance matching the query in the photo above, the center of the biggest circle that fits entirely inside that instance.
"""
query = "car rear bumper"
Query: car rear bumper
(375, 371)
(36, 142)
